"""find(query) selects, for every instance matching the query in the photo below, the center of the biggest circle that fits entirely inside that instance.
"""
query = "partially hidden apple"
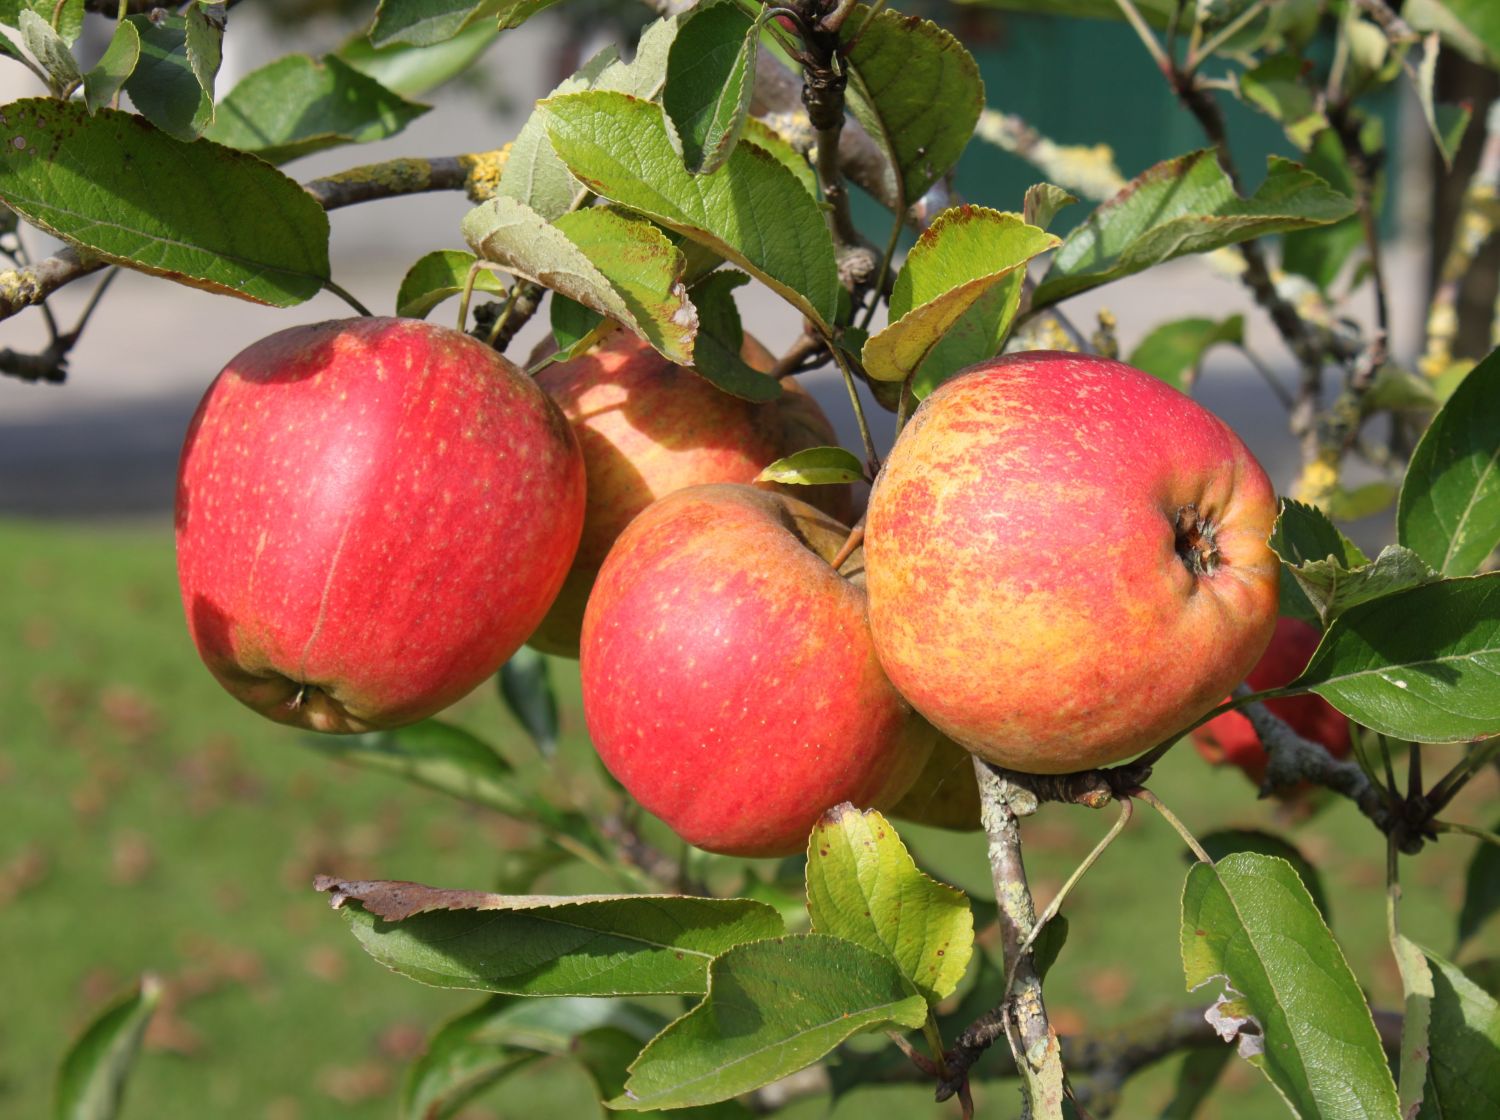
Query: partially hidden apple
(1067, 561)
(1231, 739)
(946, 792)
(729, 680)
(372, 515)
(648, 428)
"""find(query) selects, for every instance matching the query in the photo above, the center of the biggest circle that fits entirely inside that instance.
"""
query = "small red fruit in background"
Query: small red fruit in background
(1231, 739)
(372, 515)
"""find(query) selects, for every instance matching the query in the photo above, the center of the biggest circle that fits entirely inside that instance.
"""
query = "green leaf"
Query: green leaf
(1302, 534)
(815, 466)
(534, 174)
(526, 688)
(1184, 205)
(91, 1080)
(1249, 924)
(536, 945)
(1416, 1045)
(1332, 590)
(863, 886)
(1430, 683)
(204, 41)
(773, 1007)
(752, 210)
(1481, 890)
(1463, 1073)
(116, 65)
(575, 328)
(774, 144)
(1174, 351)
(410, 71)
(457, 1066)
(1321, 252)
(422, 23)
(1449, 509)
(644, 75)
(244, 229)
(710, 76)
(1277, 86)
(1331, 571)
(1469, 26)
(1196, 1078)
(473, 1051)
(616, 263)
(1446, 123)
(1042, 203)
(967, 251)
(164, 87)
(436, 276)
(51, 52)
(438, 755)
(716, 350)
(916, 90)
(298, 105)
(1229, 840)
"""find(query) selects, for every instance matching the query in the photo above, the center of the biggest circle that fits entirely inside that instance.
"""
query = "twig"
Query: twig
(1478, 218)
(1294, 760)
(793, 361)
(872, 458)
(1467, 830)
(1171, 818)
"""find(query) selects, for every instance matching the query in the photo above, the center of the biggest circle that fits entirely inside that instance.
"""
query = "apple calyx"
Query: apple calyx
(1196, 547)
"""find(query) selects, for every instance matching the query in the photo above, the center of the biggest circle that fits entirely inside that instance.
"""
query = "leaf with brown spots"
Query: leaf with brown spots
(863, 886)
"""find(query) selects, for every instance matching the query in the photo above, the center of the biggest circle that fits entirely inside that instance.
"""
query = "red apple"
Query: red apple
(372, 515)
(1231, 739)
(1067, 561)
(648, 428)
(729, 681)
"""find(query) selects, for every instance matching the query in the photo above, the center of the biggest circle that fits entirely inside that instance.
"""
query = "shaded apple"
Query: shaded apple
(1067, 561)
(946, 792)
(648, 428)
(372, 515)
(729, 681)
(1231, 739)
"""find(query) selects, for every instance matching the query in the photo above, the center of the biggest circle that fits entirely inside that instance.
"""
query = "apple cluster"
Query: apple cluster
(1064, 563)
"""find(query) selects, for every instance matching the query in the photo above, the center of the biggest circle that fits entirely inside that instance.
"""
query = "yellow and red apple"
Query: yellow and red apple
(1067, 561)
(372, 515)
(648, 428)
(729, 680)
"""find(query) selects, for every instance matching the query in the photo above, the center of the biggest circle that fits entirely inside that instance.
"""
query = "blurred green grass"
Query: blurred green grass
(148, 822)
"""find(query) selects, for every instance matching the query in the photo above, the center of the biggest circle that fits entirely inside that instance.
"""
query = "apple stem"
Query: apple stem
(854, 540)
(359, 308)
(872, 460)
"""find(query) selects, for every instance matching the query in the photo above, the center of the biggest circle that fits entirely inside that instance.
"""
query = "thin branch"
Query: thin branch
(1021, 1015)
(1146, 35)
(1295, 760)
(1171, 818)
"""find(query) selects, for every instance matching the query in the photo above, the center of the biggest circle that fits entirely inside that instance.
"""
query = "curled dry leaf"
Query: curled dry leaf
(395, 900)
